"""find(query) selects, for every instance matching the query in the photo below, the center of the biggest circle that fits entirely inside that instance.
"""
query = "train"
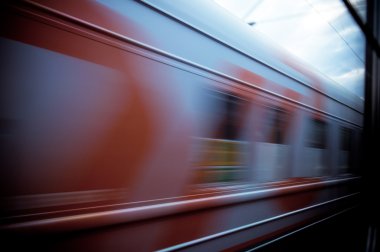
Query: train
(163, 126)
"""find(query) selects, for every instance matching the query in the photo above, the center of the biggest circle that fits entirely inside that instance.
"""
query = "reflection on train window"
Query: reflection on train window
(315, 152)
(272, 152)
(345, 147)
(220, 154)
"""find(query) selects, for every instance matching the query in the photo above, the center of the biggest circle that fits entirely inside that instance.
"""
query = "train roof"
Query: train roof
(187, 31)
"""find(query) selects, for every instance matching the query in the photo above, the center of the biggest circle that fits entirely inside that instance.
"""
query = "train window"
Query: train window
(275, 126)
(345, 149)
(317, 137)
(220, 154)
(272, 152)
(315, 156)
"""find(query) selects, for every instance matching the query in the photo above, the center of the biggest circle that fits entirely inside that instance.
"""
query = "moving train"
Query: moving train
(161, 126)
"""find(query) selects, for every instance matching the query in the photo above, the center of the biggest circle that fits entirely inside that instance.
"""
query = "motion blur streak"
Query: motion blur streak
(141, 126)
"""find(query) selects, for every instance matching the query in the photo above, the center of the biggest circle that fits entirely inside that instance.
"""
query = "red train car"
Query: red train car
(142, 125)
